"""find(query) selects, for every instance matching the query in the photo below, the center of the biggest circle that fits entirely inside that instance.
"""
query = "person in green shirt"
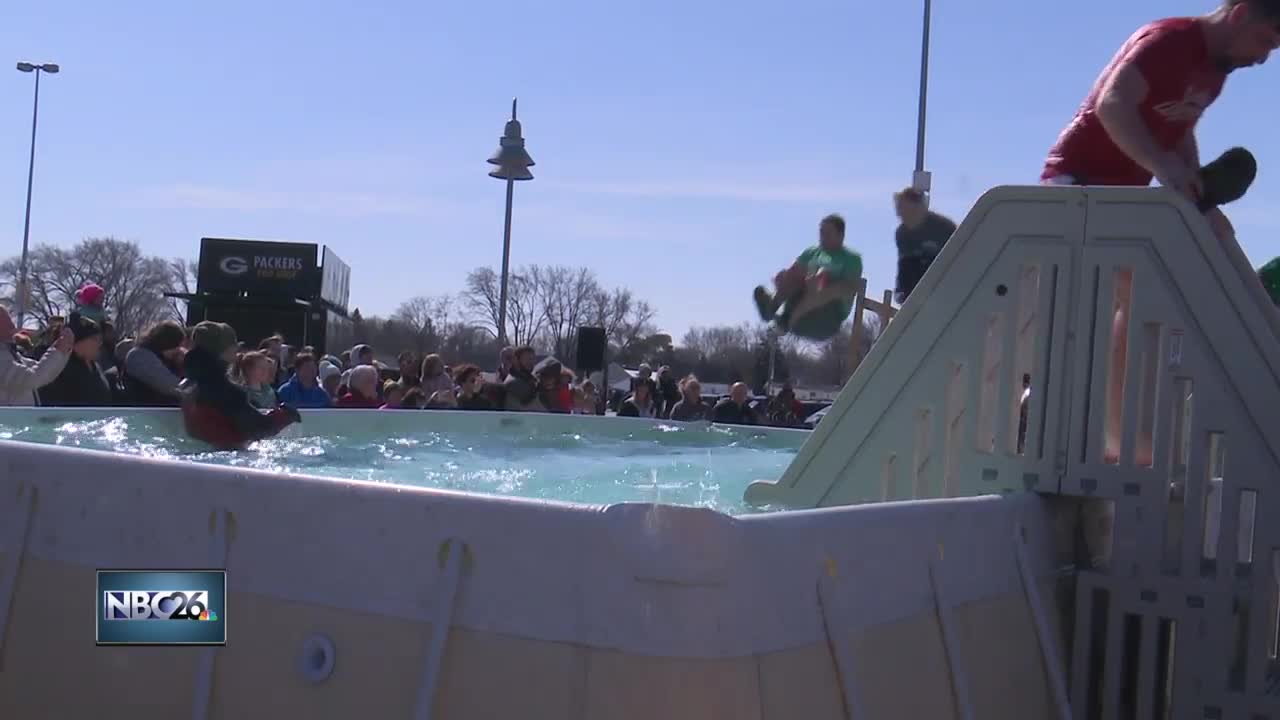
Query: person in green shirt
(816, 294)
(1269, 274)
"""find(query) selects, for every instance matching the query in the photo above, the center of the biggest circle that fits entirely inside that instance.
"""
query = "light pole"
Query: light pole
(27, 67)
(513, 164)
(920, 180)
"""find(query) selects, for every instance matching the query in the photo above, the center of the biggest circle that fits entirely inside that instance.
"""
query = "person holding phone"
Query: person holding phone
(21, 377)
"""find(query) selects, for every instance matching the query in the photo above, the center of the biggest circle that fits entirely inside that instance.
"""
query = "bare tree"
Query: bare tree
(134, 283)
(182, 279)
(565, 294)
(526, 316)
(481, 297)
(426, 319)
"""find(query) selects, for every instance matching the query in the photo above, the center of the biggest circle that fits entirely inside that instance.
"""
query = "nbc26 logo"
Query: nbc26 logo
(148, 607)
(157, 605)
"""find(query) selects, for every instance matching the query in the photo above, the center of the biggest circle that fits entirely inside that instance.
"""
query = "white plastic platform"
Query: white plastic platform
(1022, 288)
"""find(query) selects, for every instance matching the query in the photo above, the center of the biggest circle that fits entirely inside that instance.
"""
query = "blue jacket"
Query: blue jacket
(292, 393)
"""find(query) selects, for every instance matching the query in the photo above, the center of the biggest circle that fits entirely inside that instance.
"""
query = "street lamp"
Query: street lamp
(920, 180)
(27, 67)
(513, 164)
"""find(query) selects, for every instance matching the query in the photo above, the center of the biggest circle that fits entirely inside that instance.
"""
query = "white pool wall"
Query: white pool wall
(557, 611)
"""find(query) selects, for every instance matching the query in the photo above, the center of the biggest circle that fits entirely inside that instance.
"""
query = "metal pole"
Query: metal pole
(506, 263)
(924, 87)
(26, 224)
(773, 349)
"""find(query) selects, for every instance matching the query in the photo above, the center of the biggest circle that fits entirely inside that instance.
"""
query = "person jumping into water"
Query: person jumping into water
(1138, 123)
(816, 294)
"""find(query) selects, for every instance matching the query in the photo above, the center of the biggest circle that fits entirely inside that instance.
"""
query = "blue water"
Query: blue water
(694, 465)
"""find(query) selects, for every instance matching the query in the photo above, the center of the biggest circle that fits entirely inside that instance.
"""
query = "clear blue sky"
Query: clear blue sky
(685, 150)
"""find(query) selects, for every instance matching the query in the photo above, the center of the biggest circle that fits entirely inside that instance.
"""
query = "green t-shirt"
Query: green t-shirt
(1269, 274)
(842, 263)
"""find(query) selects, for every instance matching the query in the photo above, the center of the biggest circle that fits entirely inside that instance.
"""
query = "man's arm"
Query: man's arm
(1189, 150)
(1118, 111)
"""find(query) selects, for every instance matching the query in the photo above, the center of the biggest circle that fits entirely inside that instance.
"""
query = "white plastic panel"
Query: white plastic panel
(1196, 474)
(934, 409)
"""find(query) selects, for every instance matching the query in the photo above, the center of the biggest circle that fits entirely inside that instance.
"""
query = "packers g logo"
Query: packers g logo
(233, 265)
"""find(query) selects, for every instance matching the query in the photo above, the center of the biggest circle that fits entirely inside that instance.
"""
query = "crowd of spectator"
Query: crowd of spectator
(79, 361)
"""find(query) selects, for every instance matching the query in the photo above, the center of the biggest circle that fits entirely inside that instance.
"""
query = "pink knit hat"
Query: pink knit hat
(90, 294)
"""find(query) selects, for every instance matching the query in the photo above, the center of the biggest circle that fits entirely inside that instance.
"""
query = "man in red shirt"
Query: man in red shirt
(1138, 123)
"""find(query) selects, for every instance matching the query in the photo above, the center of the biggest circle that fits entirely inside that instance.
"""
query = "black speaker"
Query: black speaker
(591, 348)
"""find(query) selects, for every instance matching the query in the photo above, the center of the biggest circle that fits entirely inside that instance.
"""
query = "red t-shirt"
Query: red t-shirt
(1182, 81)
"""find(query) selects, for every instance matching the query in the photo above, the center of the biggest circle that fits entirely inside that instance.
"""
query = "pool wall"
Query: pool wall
(925, 609)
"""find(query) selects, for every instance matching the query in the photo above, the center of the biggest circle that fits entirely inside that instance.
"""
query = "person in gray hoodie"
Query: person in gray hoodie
(21, 377)
(149, 378)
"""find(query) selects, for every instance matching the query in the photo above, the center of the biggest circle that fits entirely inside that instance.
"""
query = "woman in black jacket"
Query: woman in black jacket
(81, 383)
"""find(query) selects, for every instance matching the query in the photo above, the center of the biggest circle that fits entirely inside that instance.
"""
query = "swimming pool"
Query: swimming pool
(548, 457)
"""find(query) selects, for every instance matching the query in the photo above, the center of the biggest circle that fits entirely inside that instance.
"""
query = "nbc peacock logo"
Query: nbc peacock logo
(208, 615)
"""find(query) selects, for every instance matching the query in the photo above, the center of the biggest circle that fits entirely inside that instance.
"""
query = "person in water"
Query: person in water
(214, 409)
(816, 294)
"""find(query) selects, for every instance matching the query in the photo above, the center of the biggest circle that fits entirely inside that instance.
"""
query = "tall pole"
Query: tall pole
(506, 264)
(26, 224)
(924, 90)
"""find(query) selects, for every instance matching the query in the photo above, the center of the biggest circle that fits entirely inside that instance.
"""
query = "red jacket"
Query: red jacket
(351, 400)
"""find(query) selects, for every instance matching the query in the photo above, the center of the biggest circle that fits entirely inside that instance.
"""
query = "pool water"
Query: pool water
(624, 461)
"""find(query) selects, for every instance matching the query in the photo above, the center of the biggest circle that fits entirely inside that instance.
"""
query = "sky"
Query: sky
(685, 150)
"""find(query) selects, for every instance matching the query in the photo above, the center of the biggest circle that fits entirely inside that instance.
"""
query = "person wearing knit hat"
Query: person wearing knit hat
(218, 339)
(90, 302)
(82, 382)
(216, 410)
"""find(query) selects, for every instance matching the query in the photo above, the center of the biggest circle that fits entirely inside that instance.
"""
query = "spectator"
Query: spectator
(471, 389)
(91, 302)
(345, 357)
(640, 404)
(690, 406)
(920, 238)
(116, 374)
(784, 409)
(81, 382)
(434, 378)
(361, 355)
(410, 369)
(644, 374)
(548, 374)
(254, 372)
(107, 358)
(566, 390)
(392, 395)
(414, 399)
(275, 349)
(362, 388)
(520, 388)
(585, 400)
(302, 390)
(735, 409)
(216, 410)
(506, 359)
(20, 377)
(668, 391)
(442, 400)
(152, 366)
(330, 379)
